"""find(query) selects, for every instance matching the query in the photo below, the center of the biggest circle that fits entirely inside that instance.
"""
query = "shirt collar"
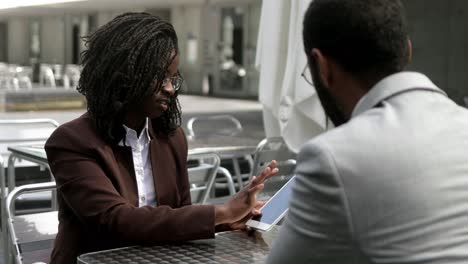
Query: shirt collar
(392, 85)
(144, 132)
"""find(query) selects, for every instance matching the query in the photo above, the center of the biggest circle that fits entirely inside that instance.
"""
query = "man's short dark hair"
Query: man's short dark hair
(367, 38)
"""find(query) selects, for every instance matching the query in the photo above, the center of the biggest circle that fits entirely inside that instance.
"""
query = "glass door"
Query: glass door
(231, 35)
(3, 42)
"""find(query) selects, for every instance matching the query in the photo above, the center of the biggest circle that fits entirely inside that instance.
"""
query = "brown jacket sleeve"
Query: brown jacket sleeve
(92, 188)
(185, 196)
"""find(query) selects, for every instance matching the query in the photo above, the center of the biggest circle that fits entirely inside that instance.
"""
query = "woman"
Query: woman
(121, 167)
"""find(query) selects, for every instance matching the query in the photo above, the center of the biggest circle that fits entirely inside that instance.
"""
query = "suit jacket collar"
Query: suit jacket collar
(159, 143)
(393, 85)
(127, 130)
(119, 131)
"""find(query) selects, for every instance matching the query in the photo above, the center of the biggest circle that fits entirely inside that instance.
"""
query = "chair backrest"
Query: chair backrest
(224, 125)
(71, 77)
(31, 236)
(46, 76)
(24, 131)
(274, 148)
(202, 175)
(23, 78)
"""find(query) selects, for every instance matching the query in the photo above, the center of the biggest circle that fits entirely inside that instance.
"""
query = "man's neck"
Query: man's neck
(348, 97)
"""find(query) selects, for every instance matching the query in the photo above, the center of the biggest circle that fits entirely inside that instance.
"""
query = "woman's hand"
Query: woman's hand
(244, 203)
(241, 223)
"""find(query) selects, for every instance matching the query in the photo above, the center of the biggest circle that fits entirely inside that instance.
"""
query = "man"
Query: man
(390, 183)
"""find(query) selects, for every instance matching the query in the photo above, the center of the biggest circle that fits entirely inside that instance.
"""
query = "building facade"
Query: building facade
(218, 39)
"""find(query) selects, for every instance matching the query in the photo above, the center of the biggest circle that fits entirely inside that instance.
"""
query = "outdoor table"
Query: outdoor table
(227, 247)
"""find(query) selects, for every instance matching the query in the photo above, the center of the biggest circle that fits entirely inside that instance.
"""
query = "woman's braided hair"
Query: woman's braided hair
(124, 60)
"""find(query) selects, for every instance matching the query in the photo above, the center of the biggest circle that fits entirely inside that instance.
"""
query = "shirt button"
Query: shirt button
(142, 199)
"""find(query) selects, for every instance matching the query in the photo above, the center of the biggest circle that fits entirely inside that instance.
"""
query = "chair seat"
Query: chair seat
(37, 256)
(30, 236)
(36, 227)
(35, 234)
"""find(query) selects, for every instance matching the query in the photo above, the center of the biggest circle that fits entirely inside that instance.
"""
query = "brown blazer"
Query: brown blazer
(98, 199)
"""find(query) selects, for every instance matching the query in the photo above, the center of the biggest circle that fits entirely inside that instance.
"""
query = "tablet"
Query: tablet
(274, 209)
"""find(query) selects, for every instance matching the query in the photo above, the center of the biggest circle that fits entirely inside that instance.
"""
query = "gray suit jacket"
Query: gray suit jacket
(390, 186)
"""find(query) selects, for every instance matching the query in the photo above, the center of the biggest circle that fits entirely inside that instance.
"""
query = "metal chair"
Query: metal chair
(46, 76)
(269, 149)
(71, 77)
(202, 176)
(30, 236)
(28, 132)
(24, 132)
(3, 75)
(8, 78)
(221, 125)
(23, 78)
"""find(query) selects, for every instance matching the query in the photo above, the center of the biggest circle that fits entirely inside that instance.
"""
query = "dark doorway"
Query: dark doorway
(76, 44)
(3, 41)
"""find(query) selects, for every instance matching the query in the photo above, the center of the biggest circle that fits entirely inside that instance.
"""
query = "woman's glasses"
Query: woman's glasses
(175, 80)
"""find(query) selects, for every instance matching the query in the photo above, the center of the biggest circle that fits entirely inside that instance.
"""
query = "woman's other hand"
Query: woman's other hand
(244, 204)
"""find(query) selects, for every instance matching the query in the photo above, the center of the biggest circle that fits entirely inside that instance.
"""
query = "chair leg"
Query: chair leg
(230, 182)
(237, 172)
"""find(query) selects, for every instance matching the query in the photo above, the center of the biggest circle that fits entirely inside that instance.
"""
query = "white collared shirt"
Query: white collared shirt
(142, 164)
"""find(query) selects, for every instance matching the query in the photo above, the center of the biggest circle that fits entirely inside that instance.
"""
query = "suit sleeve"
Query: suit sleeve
(186, 198)
(88, 192)
(316, 229)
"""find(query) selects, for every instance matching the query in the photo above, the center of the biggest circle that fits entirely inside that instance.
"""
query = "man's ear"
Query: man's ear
(410, 50)
(323, 66)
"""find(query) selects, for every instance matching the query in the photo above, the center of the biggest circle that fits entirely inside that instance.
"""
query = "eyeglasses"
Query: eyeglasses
(308, 78)
(175, 80)
(306, 75)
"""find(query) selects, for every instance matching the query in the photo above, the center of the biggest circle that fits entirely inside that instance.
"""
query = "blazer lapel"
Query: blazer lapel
(128, 185)
(164, 171)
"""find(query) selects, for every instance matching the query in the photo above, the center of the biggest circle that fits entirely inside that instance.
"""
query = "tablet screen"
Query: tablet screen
(277, 205)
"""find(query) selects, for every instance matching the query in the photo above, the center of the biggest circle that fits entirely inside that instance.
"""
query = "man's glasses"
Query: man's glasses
(308, 78)
(306, 75)
(175, 80)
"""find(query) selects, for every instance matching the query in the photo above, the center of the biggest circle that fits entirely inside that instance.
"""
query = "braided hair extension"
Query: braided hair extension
(124, 60)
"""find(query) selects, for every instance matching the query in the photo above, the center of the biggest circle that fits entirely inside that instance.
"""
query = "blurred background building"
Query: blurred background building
(40, 42)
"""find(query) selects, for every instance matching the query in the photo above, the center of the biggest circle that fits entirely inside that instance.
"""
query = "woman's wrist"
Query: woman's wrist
(221, 214)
